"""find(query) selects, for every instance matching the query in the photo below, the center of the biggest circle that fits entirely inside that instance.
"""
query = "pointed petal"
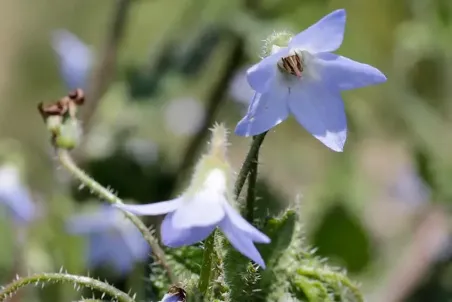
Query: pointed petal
(157, 208)
(239, 222)
(203, 209)
(261, 74)
(321, 112)
(172, 237)
(265, 112)
(343, 73)
(241, 242)
(325, 35)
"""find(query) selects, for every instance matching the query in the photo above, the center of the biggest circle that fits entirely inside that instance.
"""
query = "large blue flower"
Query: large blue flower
(112, 239)
(306, 79)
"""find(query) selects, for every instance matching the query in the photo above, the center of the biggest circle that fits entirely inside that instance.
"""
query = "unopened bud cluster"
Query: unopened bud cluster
(60, 118)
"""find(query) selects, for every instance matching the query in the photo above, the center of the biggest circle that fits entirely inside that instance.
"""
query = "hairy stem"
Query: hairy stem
(251, 191)
(331, 277)
(248, 163)
(10, 289)
(67, 162)
(206, 269)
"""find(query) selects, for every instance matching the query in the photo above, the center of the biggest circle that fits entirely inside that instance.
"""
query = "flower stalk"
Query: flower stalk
(250, 159)
(206, 269)
(81, 281)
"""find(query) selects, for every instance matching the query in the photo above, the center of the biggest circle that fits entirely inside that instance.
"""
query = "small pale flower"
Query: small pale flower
(112, 239)
(305, 79)
(205, 206)
(15, 196)
(75, 58)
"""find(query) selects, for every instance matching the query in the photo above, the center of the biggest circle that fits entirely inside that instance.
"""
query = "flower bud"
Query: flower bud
(69, 135)
(275, 41)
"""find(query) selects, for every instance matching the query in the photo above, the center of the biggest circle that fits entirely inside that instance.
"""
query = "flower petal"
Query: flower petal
(134, 242)
(321, 112)
(172, 237)
(203, 209)
(241, 242)
(76, 58)
(239, 222)
(90, 223)
(157, 208)
(345, 74)
(265, 112)
(325, 35)
(261, 75)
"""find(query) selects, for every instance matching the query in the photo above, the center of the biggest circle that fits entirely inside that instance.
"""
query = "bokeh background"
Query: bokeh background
(380, 209)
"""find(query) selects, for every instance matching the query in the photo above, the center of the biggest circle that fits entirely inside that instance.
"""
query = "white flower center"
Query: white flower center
(216, 182)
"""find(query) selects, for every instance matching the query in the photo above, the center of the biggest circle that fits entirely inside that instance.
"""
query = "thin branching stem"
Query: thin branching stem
(78, 281)
(67, 162)
(248, 163)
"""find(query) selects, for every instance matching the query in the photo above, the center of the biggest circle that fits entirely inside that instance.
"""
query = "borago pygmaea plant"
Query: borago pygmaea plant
(211, 252)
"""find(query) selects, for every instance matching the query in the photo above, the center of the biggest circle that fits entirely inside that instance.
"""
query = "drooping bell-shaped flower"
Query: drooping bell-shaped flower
(206, 205)
(15, 195)
(112, 239)
(301, 76)
(75, 58)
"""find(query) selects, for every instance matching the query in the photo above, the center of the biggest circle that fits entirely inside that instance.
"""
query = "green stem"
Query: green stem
(251, 191)
(67, 162)
(10, 289)
(206, 269)
(247, 164)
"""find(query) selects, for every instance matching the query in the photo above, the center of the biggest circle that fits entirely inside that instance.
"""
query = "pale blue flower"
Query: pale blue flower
(75, 58)
(195, 214)
(15, 196)
(113, 239)
(306, 79)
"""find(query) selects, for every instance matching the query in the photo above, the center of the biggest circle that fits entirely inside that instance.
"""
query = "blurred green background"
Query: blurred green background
(380, 209)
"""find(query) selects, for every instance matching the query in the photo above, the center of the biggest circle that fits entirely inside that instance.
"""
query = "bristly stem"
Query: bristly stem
(206, 269)
(81, 281)
(251, 190)
(250, 159)
(67, 162)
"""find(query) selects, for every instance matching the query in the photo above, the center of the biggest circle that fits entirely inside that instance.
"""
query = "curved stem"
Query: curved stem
(248, 163)
(67, 162)
(10, 289)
